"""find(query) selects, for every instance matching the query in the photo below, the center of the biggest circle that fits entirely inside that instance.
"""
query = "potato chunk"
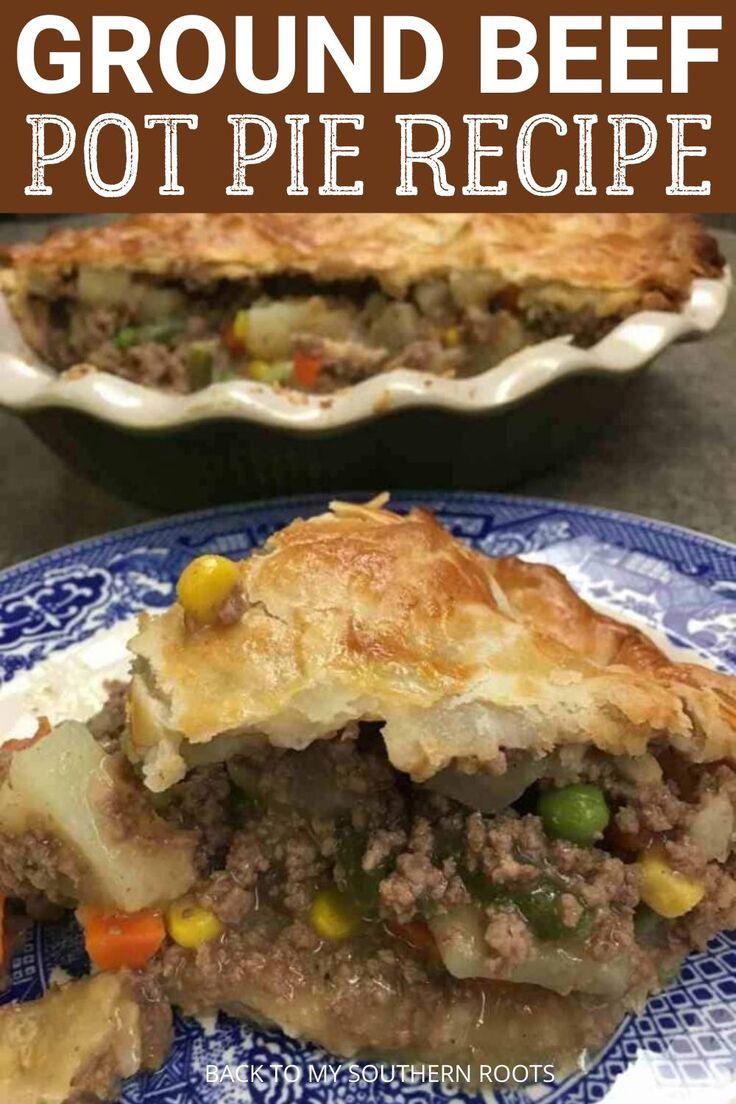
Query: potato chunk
(460, 940)
(68, 787)
(273, 323)
(104, 287)
(80, 1041)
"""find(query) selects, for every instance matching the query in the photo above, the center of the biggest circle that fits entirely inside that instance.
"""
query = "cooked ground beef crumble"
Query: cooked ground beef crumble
(276, 828)
(277, 825)
(291, 331)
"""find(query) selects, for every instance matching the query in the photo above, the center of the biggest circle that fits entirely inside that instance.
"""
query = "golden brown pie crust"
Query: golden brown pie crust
(616, 263)
(362, 614)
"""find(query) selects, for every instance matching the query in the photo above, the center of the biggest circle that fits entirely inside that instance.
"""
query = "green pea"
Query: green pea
(577, 813)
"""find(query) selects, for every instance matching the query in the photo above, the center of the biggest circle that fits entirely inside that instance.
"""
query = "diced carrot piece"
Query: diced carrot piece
(306, 369)
(234, 335)
(630, 843)
(228, 340)
(116, 940)
(417, 934)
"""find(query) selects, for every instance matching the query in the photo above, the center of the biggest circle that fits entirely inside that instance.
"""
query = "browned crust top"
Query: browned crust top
(650, 257)
(365, 614)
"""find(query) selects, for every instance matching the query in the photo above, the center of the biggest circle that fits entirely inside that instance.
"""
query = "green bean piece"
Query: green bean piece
(127, 337)
(649, 928)
(540, 905)
(360, 885)
(199, 364)
(163, 331)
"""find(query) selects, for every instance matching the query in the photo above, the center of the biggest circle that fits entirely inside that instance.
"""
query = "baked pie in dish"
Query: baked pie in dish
(318, 302)
(378, 789)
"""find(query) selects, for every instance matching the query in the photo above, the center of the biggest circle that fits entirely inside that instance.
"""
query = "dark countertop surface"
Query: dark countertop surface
(668, 452)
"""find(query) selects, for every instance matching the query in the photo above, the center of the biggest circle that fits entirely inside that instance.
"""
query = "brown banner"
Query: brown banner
(539, 140)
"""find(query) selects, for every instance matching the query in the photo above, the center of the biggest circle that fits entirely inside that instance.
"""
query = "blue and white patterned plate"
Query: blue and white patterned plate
(62, 627)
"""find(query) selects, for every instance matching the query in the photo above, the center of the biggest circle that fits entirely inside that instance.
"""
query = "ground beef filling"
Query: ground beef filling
(39, 870)
(277, 828)
(289, 330)
(107, 725)
(559, 925)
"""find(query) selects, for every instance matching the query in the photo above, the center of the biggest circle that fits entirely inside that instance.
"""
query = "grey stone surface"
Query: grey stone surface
(668, 452)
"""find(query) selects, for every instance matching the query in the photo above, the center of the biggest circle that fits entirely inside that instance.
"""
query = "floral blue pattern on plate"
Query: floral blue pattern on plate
(678, 584)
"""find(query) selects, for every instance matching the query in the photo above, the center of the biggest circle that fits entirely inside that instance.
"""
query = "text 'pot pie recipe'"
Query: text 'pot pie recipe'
(318, 302)
(370, 786)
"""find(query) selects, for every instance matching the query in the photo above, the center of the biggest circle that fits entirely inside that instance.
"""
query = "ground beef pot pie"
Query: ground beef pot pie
(317, 302)
(398, 798)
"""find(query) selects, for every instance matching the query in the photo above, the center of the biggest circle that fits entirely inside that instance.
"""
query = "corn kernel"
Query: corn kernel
(667, 892)
(451, 337)
(260, 370)
(191, 926)
(204, 585)
(240, 327)
(332, 916)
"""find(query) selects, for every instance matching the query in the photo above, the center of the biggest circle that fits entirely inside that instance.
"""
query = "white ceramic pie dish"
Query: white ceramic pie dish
(26, 384)
(242, 440)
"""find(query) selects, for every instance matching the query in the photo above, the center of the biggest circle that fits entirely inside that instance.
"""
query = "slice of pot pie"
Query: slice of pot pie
(320, 301)
(390, 795)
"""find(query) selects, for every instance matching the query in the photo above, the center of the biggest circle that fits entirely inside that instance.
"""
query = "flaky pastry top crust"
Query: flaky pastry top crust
(643, 260)
(362, 614)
